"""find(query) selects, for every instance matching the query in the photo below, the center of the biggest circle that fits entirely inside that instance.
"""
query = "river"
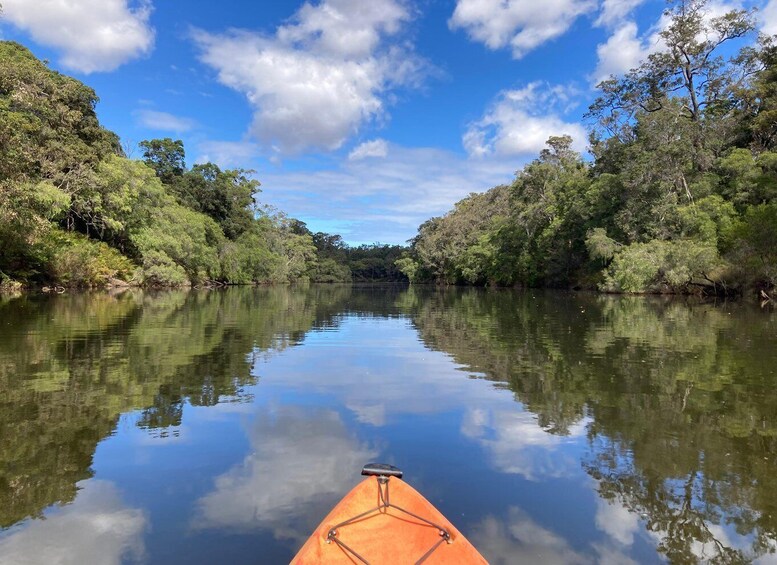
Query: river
(549, 427)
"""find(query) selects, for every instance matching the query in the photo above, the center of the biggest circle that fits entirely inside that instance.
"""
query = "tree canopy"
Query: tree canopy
(75, 211)
(675, 198)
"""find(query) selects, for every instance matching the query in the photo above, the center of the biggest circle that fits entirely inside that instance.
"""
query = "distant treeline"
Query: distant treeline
(681, 193)
(338, 262)
(75, 211)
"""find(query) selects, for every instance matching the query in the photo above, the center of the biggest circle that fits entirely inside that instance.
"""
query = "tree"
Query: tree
(166, 157)
(758, 100)
(687, 67)
(226, 196)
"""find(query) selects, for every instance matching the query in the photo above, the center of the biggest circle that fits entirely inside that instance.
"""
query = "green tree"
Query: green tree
(226, 196)
(687, 68)
(166, 156)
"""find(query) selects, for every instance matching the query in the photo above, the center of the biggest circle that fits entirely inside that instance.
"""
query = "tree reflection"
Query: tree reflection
(677, 399)
(71, 365)
(680, 397)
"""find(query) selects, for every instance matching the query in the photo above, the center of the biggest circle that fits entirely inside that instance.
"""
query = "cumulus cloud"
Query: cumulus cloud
(769, 18)
(519, 24)
(92, 35)
(622, 52)
(521, 121)
(374, 148)
(320, 78)
(163, 121)
(613, 12)
(96, 528)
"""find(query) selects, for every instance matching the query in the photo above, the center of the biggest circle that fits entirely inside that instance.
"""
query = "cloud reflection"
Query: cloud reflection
(519, 539)
(96, 528)
(303, 460)
(517, 444)
(617, 521)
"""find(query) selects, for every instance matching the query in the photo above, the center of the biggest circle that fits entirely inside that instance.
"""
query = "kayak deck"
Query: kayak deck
(385, 520)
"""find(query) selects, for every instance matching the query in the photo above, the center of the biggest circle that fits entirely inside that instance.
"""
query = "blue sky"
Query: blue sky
(360, 117)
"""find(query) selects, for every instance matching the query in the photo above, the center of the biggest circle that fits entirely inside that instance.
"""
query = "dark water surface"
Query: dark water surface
(221, 426)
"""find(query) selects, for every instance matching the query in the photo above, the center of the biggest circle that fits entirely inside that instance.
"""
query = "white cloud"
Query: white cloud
(385, 200)
(622, 52)
(163, 121)
(319, 79)
(93, 35)
(96, 528)
(769, 18)
(521, 24)
(613, 12)
(345, 28)
(521, 121)
(374, 148)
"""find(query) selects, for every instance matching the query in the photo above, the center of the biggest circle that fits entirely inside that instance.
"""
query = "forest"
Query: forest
(679, 193)
(76, 212)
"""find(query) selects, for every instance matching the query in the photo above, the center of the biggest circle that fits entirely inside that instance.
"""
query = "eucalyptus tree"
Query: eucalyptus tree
(166, 156)
(687, 65)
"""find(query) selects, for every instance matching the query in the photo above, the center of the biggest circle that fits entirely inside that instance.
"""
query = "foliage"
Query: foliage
(683, 152)
(376, 262)
(408, 266)
(656, 265)
(178, 240)
(78, 261)
(74, 211)
(226, 196)
(753, 243)
(336, 261)
(166, 157)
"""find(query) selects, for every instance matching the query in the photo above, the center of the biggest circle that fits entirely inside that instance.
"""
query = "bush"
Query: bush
(753, 244)
(658, 265)
(178, 240)
(80, 262)
(160, 270)
(329, 271)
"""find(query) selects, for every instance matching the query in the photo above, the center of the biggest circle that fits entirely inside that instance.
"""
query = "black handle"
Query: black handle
(381, 470)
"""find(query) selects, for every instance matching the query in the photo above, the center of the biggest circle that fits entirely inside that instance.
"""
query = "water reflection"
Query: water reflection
(70, 365)
(96, 528)
(302, 462)
(518, 539)
(573, 428)
(680, 397)
(516, 444)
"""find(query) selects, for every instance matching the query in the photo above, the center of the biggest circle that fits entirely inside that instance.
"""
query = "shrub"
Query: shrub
(652, 266)
(78, 261)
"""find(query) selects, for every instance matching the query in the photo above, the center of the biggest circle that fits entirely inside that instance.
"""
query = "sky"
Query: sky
(359, 117)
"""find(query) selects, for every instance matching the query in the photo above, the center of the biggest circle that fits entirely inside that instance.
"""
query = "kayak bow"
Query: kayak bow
(385, 520)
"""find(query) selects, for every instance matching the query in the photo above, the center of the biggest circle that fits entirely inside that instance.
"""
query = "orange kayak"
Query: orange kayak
(384, 520)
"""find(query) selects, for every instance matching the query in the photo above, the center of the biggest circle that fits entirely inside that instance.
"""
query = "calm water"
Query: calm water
(220, 427)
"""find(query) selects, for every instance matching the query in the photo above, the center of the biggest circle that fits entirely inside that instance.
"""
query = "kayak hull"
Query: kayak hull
(404, 532)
